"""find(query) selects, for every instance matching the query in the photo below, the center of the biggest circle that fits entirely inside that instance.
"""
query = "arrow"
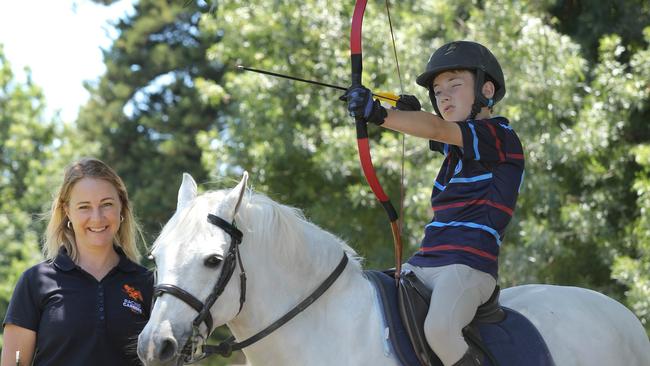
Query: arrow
(389, 97)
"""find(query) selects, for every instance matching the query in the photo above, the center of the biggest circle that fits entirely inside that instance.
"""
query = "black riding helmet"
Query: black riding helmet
(465, 55)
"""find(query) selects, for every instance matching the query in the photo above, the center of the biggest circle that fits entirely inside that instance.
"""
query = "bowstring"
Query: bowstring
(401, 86)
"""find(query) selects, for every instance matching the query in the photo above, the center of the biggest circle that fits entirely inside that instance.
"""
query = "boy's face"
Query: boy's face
(454, 91)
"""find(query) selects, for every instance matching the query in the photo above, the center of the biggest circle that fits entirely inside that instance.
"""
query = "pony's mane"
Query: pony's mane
(277, 231)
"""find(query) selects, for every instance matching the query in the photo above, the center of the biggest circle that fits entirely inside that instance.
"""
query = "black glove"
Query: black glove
(408, 103)
(362, 105)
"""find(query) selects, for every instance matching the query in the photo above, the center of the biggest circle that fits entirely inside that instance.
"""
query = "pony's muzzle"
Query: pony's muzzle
(157, 348)
(166, 349)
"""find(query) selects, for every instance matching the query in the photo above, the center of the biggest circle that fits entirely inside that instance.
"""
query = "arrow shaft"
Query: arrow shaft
(314, 82)
(240, 67)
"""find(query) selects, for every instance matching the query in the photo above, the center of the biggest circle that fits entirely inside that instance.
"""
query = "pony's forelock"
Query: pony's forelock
(185, 225)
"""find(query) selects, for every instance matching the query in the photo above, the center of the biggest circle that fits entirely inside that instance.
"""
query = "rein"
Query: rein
(233, 258)
(226, 347)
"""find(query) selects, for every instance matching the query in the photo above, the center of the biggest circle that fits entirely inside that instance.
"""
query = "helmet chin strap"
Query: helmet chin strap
(480, 100)
(432, 97)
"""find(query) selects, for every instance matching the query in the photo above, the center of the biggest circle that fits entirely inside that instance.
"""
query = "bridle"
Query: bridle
(230, 262)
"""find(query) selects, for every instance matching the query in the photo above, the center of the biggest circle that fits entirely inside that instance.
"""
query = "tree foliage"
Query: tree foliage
(146, 110)
(34, 151)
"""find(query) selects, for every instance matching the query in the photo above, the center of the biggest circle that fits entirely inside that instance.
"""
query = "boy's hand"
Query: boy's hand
(362, 105)
(408, 103)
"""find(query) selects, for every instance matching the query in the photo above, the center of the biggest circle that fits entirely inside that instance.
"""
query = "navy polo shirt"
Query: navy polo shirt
(473, 197)
(79, 320)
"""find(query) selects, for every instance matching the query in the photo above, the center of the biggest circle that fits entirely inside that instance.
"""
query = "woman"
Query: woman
(87, 303)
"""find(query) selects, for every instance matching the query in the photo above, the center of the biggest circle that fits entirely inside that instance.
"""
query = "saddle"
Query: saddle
(413, 300)
(504, 336)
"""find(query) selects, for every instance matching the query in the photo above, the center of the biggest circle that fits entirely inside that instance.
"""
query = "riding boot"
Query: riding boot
(473, 357)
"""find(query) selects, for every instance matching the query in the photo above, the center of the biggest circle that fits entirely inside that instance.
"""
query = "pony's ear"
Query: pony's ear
(237, 193)
(187, 192)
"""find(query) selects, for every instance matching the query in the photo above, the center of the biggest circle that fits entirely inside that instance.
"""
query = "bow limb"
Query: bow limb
(362, 135)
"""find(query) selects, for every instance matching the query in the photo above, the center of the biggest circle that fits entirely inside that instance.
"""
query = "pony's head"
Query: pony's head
(198, 267)
(190, 254)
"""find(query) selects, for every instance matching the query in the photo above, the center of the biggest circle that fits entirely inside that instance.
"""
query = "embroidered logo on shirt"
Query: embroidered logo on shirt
(133, 293)
(134, 300)
(135, 307)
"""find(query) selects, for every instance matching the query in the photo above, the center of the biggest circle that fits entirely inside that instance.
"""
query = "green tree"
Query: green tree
(587, 21)
(23, 136)
(145, 110)
(632, 262)
(34, 151)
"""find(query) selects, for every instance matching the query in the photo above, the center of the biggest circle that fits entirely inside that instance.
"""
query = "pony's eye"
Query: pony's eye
(212, 261)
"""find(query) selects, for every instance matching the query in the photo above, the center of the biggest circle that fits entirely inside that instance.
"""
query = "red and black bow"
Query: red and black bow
(362, 135)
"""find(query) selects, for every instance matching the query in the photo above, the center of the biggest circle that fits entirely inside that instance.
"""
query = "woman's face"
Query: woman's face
(94, 209)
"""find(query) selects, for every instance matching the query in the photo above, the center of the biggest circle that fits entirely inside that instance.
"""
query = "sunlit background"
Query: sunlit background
(61, 42)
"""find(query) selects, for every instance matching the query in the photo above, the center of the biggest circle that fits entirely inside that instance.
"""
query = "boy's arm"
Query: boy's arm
(362, 104)
(424, 125)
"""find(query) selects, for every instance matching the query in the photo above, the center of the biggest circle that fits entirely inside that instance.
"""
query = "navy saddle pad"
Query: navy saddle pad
(512, 342)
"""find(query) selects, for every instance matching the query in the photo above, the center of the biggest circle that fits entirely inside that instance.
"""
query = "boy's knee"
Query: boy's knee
(447, 344)
(437, 332)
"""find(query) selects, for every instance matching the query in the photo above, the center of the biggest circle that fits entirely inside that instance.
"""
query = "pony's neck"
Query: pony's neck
(331, 322)
(288, 272)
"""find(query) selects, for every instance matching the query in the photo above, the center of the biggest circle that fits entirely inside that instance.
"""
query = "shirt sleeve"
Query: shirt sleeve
(438, 146)
(23, 308)
(484, 141)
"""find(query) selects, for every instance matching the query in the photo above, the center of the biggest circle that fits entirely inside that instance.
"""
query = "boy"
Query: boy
(474, 194)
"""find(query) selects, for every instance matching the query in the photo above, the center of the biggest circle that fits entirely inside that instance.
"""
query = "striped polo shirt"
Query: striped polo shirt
(473, 197)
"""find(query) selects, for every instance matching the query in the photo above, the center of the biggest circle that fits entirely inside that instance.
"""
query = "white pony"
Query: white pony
(286, 257)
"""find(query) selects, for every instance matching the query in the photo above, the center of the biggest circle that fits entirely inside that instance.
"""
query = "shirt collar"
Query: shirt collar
(500, 119)
(65, 263)
(63, 260)
(496, 119)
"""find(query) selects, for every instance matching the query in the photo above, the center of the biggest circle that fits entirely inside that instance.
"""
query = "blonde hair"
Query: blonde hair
(58, 234)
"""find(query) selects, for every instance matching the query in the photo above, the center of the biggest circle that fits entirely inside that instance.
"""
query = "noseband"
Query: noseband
(232, 259)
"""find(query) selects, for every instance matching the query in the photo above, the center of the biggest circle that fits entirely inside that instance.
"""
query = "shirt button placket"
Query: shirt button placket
(100, 303)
